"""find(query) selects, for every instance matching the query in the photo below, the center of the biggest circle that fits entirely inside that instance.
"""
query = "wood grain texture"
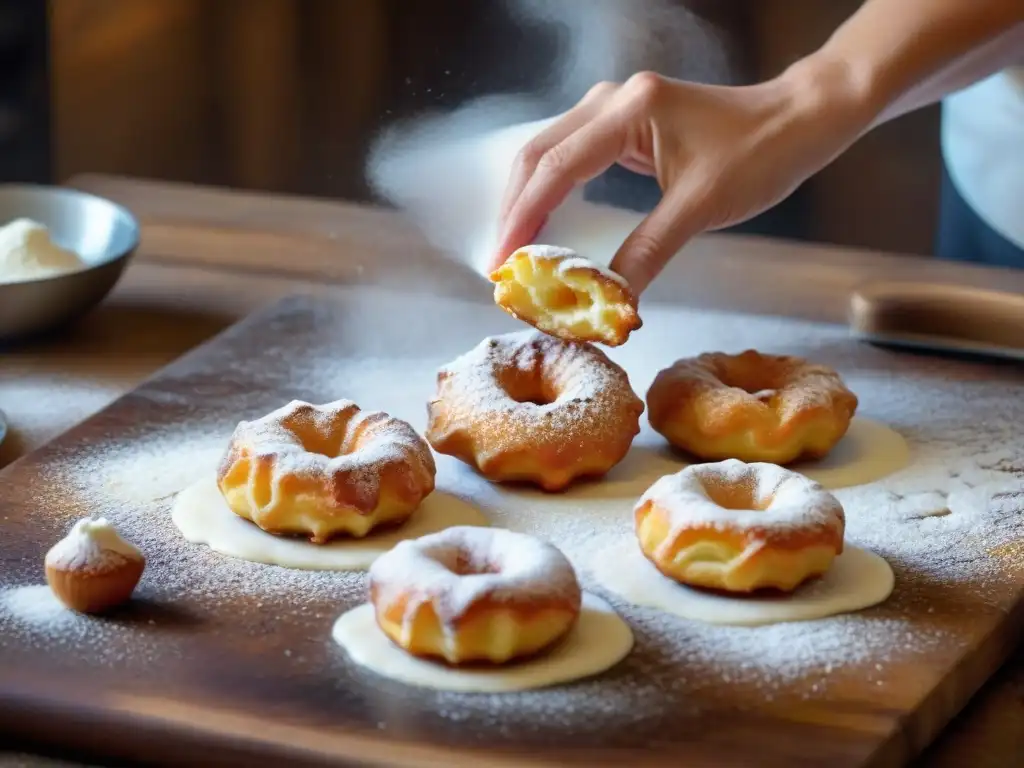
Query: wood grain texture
(210, 256)
(217, 691)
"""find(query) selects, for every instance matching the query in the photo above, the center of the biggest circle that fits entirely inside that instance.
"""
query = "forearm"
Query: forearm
(1004, 51)
(893, 56)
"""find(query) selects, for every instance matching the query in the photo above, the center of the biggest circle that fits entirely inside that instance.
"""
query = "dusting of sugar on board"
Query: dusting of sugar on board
(960, 420)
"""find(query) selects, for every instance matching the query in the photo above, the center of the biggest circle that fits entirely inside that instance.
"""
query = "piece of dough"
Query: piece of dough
(203, 517)
(599, 641)
(869, 451)
(857, 579)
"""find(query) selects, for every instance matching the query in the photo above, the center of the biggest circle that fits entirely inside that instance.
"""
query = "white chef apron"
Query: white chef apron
(983, 147)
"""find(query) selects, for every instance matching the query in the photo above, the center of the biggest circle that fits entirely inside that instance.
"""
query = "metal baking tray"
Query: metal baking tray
(939, 318)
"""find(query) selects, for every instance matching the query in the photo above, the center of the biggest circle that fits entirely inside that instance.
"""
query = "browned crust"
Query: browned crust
(551, 461)
(695, 394)
(409, 479)
(768, 542)
(688, 534)
(524, 608)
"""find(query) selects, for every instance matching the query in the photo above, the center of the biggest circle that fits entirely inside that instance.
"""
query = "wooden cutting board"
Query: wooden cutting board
(221, 661)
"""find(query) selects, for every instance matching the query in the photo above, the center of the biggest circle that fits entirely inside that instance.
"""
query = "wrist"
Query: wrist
(833, 91)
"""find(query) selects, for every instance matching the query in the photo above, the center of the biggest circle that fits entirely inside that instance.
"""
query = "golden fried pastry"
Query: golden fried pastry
(471, 594)
(93, 569)
(739, 527)
(532, 408)
(751, 407)
(565, 295)
(323, 471)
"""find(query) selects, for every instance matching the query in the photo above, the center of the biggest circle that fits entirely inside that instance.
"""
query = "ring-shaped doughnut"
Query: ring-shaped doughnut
(471, 594)
(751, 406)
(324, 471)
(527, 407)
(739, 527)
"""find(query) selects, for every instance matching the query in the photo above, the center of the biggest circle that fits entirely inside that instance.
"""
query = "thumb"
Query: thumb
(656, 240)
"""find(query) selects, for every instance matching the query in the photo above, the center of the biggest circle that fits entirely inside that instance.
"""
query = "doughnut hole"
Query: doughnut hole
(527, 386)
(739, 494)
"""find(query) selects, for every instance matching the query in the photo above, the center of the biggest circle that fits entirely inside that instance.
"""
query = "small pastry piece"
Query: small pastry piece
(323, 471)
(531, 408)
(471, 594)
(739, 527)
(558, 292)
(751, 407)
(92, 569)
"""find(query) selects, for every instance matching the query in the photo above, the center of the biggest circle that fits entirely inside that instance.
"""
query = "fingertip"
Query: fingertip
(515, 236)
(636, 272)
(637, 281)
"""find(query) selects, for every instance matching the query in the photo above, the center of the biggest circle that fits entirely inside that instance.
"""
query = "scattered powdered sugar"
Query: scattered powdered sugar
(457, 568)
(33, 616)
(947, 523)
(774, 499)
(41, 405)
(36, 606)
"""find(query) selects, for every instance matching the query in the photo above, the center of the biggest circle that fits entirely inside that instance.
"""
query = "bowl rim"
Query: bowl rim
(134, 227)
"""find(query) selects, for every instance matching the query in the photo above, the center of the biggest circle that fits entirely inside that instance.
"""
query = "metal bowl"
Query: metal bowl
(102, 233)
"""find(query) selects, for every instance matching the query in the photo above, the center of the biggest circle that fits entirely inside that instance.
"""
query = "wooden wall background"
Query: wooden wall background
(285, 95)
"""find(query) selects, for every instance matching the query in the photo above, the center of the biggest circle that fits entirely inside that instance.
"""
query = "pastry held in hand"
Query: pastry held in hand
(739, 527)
(323, 471)
(527, 407)
(562, 294)
(92, 569)
(751, 406)
(471, 594)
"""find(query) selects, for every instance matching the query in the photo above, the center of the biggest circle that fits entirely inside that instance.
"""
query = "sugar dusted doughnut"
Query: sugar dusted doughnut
(471, 594)
(739, 527)
(530, 407)
(751, 407)
(323, 471)
(565, 295)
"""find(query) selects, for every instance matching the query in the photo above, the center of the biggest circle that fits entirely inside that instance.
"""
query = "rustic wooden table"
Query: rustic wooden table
(209, 257)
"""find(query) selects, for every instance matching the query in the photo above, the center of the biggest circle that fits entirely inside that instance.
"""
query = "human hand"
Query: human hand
(721, 155)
